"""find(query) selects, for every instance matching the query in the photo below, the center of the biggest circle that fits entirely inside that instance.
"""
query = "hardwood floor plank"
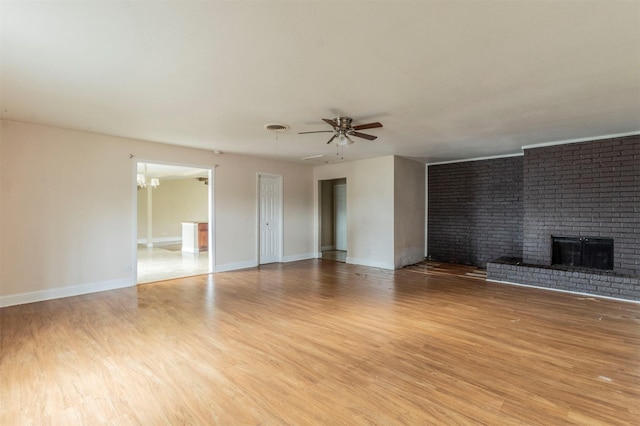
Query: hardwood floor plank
(322, 342)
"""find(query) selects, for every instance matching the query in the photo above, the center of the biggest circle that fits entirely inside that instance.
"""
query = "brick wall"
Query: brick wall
(589, 189)
(600, 283)
(475, 211)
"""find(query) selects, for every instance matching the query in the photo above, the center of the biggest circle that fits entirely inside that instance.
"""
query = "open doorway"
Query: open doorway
(333, 219)
(173, 239)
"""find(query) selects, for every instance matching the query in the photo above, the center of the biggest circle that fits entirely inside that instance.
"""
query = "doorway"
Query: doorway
(171, 200)
(269, 218)
(333, 219)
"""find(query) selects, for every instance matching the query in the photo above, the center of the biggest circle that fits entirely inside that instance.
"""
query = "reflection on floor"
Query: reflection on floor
(337, 255)
(165, 262)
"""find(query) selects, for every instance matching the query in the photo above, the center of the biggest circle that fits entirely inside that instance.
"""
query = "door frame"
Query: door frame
(318, 205)
(280, 237)
(211, 214)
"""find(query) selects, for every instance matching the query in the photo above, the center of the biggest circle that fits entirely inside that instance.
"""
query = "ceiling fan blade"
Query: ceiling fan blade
(317, 131)
(367, 126)
(331, 123)
(332, 138)
(363, 135)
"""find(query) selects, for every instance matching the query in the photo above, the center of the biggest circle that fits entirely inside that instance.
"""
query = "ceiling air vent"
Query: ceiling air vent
(276, 127)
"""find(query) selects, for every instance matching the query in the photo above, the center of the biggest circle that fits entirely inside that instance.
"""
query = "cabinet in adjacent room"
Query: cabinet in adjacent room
(203, 236)
(195, 236)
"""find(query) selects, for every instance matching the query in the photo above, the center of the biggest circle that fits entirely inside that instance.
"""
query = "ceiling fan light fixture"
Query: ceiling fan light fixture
(343, 140)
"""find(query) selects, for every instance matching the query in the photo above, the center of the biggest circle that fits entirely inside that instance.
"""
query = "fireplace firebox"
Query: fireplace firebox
(584, 252)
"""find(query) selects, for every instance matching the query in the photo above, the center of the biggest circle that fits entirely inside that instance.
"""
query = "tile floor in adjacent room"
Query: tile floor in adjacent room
(164, 262)
(167, 261)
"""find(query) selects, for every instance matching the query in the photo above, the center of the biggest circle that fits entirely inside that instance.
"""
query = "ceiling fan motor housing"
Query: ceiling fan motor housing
(343, 123)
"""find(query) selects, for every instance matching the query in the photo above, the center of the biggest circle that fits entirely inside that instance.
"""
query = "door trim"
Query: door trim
(280, 215)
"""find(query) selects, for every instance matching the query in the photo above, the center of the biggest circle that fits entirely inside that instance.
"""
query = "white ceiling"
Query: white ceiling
(448, 79)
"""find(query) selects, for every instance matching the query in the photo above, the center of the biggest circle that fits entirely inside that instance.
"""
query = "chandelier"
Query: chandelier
(142, 180)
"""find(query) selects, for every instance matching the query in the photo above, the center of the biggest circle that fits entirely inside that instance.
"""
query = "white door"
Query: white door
(270, 200)
(340, 216)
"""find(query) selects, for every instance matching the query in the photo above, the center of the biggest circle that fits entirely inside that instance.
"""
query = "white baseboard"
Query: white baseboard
(372, 263)
(253, 263)
(60, 292)
(161, 240)
(296, 257)
(323, 248)
(190, 249)
(235, 266)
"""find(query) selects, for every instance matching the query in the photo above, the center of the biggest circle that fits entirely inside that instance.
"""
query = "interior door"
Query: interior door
(340, 216)
(270, 218)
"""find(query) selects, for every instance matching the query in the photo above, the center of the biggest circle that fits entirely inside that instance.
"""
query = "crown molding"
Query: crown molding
(492, 157)
(591, 138)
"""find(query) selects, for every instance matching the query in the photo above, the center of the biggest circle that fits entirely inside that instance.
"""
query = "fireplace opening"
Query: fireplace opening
(584, 252)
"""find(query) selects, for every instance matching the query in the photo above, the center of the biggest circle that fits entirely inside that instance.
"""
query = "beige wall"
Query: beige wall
(385, 210)
(409, 217)
(67, 219)
(237, 213)
(173, 202)
(68, 215)
(2, 186)
(69, 200)
(369, 209)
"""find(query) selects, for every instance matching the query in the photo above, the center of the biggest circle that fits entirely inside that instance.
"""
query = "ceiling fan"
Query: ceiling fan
(342, 129)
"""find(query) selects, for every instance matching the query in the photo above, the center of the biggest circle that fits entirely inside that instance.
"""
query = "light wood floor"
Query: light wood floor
(322, 342)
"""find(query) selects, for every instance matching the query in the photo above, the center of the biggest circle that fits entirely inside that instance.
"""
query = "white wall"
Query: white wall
(409, 215)
(370, 209)
(68, 209)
